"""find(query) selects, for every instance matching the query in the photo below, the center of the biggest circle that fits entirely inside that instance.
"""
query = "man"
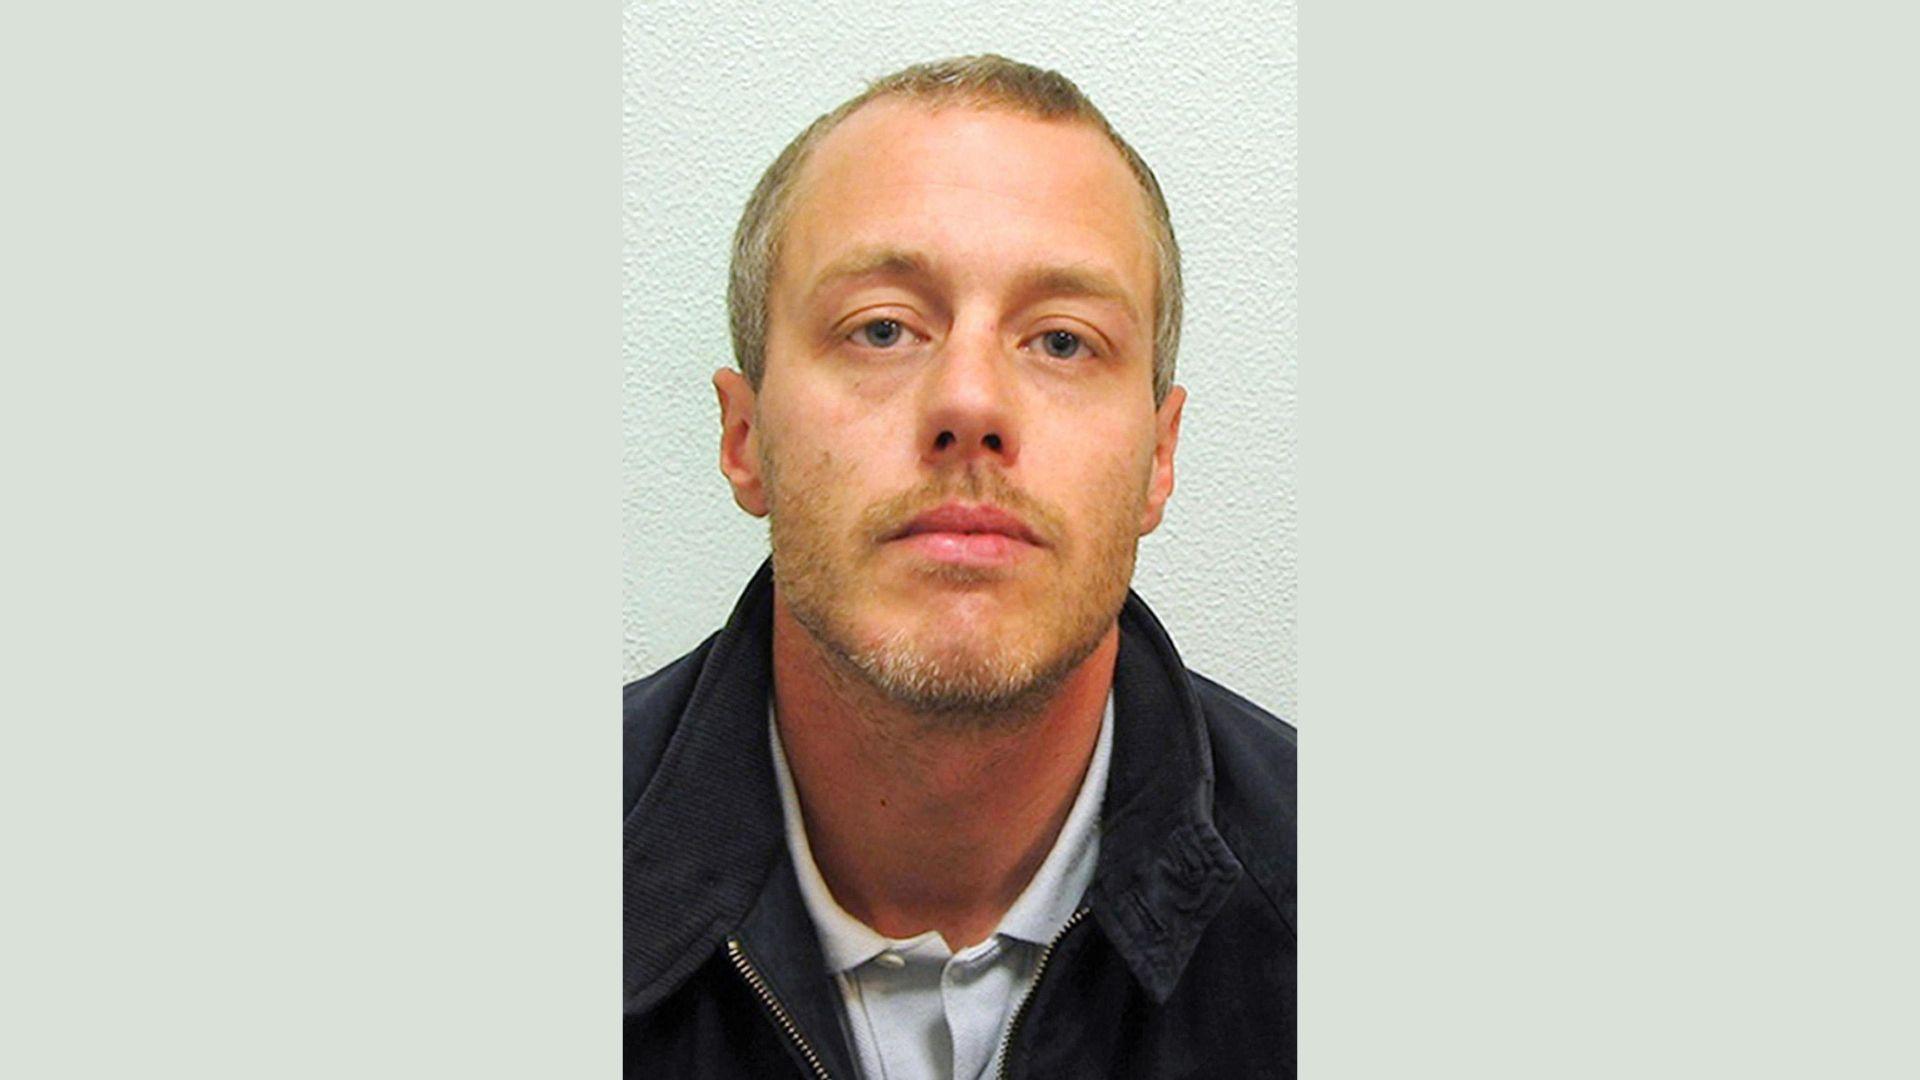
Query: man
(941, 800)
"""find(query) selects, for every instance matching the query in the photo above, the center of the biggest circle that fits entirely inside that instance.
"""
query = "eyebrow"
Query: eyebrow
(869, 262)
(1060, 280)
(1084, 281)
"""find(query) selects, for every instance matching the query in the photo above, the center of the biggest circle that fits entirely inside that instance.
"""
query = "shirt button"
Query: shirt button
(891, 960)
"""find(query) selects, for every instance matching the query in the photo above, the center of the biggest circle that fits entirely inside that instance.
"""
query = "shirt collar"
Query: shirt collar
(1036, 916)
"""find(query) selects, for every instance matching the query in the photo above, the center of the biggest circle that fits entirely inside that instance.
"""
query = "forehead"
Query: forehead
(980, 188)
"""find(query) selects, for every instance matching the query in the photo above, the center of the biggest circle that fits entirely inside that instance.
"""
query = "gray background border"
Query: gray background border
(1608, 362)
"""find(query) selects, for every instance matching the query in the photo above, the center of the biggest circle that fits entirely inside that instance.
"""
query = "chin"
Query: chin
(942, 666)
(954, 608)
(954, 678)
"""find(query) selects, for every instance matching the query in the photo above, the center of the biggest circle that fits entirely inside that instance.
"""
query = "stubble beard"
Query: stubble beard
(951, 680)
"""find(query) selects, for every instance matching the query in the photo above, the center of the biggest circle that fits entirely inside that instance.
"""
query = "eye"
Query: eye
(880, 333)
(1062, 344)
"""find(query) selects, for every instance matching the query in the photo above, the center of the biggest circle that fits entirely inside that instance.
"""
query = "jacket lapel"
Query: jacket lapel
(1164, 870)
(700, 842)
(779, 939)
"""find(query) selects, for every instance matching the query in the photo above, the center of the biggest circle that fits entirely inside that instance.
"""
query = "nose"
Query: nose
(968, 406)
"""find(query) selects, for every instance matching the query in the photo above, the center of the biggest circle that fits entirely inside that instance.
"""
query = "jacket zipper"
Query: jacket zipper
(779, 1012)
(1039, 972)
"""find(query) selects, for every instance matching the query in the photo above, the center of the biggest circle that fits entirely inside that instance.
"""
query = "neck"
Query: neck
(920, 823)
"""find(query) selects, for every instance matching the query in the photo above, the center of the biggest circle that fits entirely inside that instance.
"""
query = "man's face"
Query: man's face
(955, 436)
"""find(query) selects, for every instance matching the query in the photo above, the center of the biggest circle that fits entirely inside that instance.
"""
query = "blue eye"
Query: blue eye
(880, 333)
(1061, 344)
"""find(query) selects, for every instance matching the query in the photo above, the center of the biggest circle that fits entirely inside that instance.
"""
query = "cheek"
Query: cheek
(1104, 498)
(1103, 450)
(803, 477)
(840, 449)
(812, 417)
(813, 485)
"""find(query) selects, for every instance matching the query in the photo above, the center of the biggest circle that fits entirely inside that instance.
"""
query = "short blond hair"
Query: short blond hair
(985, 81)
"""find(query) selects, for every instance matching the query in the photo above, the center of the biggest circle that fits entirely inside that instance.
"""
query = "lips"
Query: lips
(977, 539)
(959, 519)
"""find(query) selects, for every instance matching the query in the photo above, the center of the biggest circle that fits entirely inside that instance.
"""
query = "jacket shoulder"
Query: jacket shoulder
(652, 708)
(1255, 788)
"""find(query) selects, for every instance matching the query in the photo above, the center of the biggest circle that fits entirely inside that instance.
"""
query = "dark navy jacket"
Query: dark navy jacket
(1180, 965)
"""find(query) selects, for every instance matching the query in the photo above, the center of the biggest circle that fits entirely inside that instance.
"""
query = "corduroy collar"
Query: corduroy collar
(705, 855)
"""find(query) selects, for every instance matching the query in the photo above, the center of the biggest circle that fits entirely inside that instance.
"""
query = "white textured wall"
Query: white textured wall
(1207, 95)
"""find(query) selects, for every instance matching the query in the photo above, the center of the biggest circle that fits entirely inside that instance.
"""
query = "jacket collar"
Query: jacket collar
(705, 856)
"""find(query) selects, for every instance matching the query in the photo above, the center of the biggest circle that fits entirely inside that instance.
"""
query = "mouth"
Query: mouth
(961, 535)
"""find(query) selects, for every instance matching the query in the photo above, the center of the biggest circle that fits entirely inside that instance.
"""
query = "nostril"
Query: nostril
(945, 440)
(993, 442)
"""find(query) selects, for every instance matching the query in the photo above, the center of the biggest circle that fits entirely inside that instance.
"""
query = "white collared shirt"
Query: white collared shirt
(914, 1009)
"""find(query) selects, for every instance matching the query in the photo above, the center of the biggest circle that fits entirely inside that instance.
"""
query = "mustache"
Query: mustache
(889, 516)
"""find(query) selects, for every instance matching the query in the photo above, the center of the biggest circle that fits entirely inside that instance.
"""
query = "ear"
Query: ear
(1166, 424)
(740, 441)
